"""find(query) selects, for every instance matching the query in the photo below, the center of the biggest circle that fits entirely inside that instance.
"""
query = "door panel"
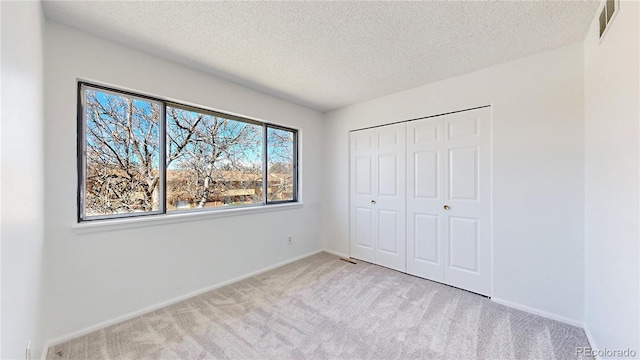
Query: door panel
(363, 225)
(451, 165)
(466, 125)
(426, 230)
(378, 196)
(468, 195)
(362, 187)
(427, 174)
(388, 230)
(388, 177)
(363, 175)
(424, 198)
(426, 132)
(463, 173)
(463, 243)
(387, 137)
(363, 141)
(391, 197)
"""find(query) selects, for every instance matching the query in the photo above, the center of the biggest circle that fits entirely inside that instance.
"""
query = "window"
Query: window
(212, 161)
(607, 14)
(121, 172)
(280, 164)
(144, 156)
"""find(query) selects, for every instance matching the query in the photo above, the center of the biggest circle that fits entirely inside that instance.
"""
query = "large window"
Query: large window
(142, 156)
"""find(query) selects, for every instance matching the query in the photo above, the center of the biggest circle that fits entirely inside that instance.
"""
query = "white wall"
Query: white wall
(612, 219)
(22, 168)
(538, 171)
(539, 183)
(99, 276)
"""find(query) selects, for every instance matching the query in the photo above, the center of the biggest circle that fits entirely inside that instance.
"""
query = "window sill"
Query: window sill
(165, 219)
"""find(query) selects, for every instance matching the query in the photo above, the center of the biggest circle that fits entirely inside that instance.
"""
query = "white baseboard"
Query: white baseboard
(45, 351)
(336, 253)
(92, 328)
(592, 342)
(539, 312)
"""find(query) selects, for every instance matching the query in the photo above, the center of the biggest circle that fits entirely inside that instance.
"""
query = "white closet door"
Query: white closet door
(425, 198)
(390, 203)
(467, 194)
(449, 199)
(378, 196)
(364, 169)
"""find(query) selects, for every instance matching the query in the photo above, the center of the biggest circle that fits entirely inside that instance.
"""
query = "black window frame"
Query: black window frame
(266, 160)
(164, 103)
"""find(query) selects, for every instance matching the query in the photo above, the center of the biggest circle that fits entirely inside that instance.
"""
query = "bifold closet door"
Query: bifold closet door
(425, 198)
(377, 188)
(449, 199)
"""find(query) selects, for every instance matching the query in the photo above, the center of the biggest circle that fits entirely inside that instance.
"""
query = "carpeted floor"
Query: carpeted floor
(324, 308)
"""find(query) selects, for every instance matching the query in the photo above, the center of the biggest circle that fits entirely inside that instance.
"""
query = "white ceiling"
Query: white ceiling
(326, 55)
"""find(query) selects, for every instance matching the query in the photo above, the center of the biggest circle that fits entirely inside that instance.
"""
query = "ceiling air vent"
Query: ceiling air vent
(609, 9)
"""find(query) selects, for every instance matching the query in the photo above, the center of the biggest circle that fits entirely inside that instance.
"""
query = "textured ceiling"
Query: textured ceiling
(325, 55)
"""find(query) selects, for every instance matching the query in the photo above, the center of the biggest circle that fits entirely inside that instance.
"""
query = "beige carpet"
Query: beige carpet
(324, 308)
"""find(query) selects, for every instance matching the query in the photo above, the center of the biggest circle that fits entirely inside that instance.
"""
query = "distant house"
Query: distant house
(184, 191)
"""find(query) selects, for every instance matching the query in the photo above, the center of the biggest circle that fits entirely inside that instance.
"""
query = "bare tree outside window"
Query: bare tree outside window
(216, 161)
(210, 159)
(122, 154)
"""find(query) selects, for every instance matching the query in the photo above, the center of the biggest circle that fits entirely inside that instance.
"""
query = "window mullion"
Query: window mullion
(265, 173)
(295, 166)
(81, 152)
(162, 186)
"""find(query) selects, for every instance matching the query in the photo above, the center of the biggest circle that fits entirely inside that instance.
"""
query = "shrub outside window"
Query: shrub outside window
(139, 155)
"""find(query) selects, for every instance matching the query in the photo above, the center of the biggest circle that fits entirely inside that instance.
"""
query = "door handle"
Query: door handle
(446, 207)
(373, 202)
